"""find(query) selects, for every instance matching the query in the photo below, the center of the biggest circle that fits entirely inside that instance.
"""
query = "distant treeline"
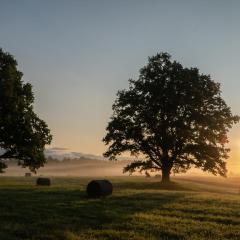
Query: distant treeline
(51, 159)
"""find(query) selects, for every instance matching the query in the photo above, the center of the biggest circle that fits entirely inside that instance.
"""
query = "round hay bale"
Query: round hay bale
(43, 182)
(99, 188)
(28, 174)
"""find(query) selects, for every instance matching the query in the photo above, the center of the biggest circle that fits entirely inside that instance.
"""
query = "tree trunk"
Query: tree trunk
(166, 174)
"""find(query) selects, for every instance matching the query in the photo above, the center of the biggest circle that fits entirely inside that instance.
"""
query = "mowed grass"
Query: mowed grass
(139, 208)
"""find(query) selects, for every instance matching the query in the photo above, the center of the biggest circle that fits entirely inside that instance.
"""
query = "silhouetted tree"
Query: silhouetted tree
(22, 134)
(173, 118)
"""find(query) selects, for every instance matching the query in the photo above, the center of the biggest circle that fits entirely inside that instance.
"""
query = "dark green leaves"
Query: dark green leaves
(23, 135)
(173, 116)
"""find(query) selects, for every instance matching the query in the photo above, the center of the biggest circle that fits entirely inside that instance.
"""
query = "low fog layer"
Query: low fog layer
(105, 169)
(78, 168)
(83, 167)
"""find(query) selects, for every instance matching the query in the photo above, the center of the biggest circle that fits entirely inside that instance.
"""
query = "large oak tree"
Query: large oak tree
(23, 135)
(171, 118)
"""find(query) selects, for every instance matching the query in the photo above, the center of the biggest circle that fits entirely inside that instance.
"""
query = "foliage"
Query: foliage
(23, 135)
(173, 118)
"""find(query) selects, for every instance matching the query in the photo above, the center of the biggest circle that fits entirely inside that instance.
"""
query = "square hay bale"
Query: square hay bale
(28, 174)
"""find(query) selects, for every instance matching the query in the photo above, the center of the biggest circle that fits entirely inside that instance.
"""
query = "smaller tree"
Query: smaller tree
(173, 118)
(23, 135)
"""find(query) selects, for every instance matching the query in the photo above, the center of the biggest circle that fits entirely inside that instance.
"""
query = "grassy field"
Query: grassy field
(140, 208)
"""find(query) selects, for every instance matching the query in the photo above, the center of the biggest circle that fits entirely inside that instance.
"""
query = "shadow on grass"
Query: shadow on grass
(45, 213)
(152, 186)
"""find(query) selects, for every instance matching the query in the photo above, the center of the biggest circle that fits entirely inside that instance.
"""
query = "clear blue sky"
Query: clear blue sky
(77, 54)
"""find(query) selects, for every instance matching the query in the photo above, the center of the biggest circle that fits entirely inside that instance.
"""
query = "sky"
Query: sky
(78, 54)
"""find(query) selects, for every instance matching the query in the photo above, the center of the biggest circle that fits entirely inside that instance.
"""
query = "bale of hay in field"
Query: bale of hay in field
(43, 181)
(99, 188)
(28, 174)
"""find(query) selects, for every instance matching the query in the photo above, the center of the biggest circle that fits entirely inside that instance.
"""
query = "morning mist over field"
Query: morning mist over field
(119, 120)
(78, 55)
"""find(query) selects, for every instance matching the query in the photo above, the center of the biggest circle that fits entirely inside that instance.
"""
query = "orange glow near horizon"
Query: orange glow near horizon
(94, 145)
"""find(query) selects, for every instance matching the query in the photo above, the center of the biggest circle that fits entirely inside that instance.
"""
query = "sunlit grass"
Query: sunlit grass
(138, 209)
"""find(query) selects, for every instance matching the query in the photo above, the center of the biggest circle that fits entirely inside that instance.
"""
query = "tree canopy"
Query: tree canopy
(23, 135)
(171, 118)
